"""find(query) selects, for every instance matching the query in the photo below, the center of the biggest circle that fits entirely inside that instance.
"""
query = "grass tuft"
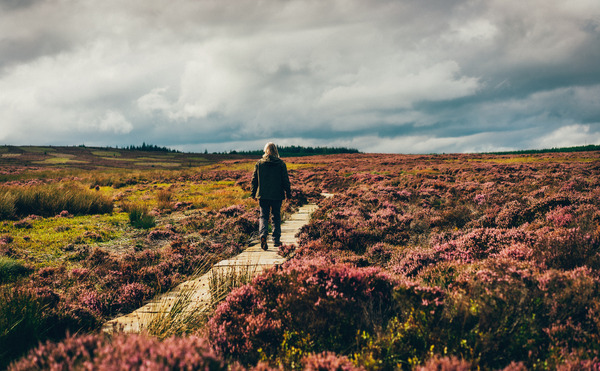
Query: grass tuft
(22, 323)
(181, 311)
(11, 269)
(50, 200)
(224, 279)
(139, 216)
(189, 308)
(164, 198)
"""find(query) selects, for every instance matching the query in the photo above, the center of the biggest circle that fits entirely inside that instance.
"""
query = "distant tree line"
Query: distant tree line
(587, 148)
(150, 148)
(296, 151)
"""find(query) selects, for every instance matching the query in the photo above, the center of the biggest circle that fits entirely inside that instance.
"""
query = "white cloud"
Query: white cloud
(110, 122)
(304, 70)
(569, 136)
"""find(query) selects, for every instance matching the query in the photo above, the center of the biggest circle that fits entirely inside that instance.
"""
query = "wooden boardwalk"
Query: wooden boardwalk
(196, 292)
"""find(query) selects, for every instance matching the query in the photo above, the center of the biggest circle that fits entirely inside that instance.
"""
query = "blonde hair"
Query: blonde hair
(271, 150)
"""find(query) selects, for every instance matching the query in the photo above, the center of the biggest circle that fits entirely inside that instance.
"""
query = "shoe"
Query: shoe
(277, 243)
(263, 243)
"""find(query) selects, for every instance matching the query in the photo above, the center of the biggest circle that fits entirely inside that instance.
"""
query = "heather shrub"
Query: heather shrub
(560, 216)
(410, 335)
(237, 227)
(122, 352)
(337, 234)
(494, 315)
(379, 254)
(30, 315)
(441, 274)
(480, 243)
(299, 309)
(491, 314)
(572, 312)
(328, 361)
(446, 364)
(563, 248)
(131, 296)
(233, 210)
(576, 364)
(287, 250)
(413, 260)
(505, 311)
(455, 216)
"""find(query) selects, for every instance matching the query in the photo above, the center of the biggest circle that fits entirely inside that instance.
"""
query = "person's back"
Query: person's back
(273, 179)
(270, 186)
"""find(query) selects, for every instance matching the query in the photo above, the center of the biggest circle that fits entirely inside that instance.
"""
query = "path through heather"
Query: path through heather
(196, 292)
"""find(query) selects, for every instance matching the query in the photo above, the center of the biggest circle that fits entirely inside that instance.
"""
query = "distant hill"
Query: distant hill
(297, 151)
(587, 148)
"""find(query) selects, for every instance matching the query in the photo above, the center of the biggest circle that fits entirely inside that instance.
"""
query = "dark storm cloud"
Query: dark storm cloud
(384, 76)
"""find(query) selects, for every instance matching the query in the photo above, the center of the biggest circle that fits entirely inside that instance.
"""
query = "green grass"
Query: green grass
(21, 323)
(46, 241)
(208, 195)
(106, 154)
(12, 269)
(33, 149)
(60, 160)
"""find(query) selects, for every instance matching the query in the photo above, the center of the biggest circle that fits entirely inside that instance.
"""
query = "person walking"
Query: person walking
(270, 186)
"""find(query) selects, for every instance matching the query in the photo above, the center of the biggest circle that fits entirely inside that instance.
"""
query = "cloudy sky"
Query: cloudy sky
(403, 76)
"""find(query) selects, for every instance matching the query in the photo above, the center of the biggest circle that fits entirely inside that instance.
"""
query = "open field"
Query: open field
(456, 261)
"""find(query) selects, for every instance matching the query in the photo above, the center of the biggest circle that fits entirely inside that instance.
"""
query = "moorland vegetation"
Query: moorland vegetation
(418, 262)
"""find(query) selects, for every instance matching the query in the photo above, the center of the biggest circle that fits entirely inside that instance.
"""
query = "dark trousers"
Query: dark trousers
(267, 207)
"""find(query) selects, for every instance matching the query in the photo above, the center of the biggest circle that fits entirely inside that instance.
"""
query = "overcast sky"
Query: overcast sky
(403, 76)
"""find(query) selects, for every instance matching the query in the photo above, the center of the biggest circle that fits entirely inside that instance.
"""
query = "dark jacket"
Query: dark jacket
(270, 179)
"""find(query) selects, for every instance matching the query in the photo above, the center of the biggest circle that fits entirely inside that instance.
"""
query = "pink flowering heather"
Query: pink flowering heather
(445, 364)
(233, 210)
(131, 296)
(480, 198)
(560, 216)
(122, 352)
(328, 361)
(325, 303)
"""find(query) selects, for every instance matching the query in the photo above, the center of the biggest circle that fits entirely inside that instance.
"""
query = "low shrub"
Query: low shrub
(122, 352)
(567, 248)
(290, 312)
(328, 361)
(448, 364)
